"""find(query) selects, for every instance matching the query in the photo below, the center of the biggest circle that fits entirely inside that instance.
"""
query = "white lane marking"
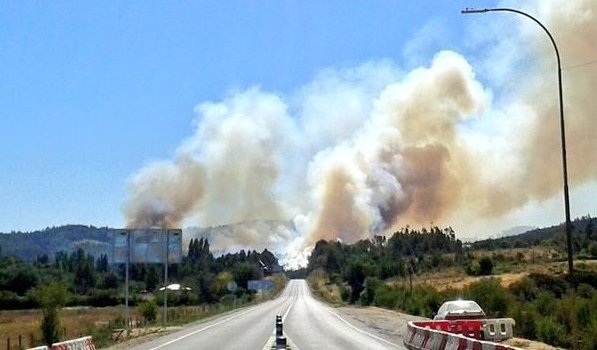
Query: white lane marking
(200, 330)
(272, 338)
(290, 307)
(362, 331)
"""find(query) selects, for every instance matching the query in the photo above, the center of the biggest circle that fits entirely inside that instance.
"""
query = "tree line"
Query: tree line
(379, 271)
(91, 280)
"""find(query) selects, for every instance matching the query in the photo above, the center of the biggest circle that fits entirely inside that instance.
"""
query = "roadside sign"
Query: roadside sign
(260, 285)
(147, 246)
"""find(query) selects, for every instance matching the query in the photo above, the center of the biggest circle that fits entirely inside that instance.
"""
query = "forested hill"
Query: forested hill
(29, 245)
(584, 231)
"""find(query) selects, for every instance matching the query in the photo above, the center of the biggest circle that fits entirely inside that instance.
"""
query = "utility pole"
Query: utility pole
(562, 125)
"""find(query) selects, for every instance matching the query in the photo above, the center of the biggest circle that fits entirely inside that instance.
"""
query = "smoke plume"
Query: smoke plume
(360, 151)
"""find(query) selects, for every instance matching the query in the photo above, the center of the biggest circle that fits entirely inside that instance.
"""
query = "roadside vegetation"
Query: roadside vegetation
(415, 271)
(53, 298)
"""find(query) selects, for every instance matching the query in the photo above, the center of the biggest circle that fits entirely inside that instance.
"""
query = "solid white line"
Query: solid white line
(201, 330)
(362, 331)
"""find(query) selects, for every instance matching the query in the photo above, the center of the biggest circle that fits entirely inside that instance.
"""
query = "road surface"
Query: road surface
(308, 323)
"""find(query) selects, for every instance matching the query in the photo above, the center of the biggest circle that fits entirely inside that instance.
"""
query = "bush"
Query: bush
(550, 332)
(148, 310)
(387, 297)
(485, 266)
(368, 294)
(473, 268)
(490, 295)
(344, 293)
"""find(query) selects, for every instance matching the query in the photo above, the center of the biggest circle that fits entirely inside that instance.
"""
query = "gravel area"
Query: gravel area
(391, 324)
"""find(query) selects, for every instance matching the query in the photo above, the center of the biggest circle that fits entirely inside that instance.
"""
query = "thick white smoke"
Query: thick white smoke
(360, 151)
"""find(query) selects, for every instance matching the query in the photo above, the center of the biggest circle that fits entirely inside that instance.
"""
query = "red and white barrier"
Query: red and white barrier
(85, 343)
(433, 336)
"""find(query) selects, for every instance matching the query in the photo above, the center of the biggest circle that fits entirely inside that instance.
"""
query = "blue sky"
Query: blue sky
(92, 91)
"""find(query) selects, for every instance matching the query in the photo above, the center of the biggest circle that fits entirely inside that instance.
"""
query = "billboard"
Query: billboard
(260, 285)
(147, 246)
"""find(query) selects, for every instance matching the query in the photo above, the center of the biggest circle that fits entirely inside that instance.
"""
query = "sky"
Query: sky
(91, 92)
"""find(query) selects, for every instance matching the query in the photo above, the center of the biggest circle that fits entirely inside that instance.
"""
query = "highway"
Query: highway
(308, 323)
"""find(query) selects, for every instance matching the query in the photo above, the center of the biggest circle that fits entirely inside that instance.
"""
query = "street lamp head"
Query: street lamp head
(469, 10)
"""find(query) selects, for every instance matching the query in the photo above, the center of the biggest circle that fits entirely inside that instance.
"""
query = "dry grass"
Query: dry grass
(75, 322)
(456, 278)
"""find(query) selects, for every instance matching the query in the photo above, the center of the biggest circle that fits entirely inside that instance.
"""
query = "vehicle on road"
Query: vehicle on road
(459, 310)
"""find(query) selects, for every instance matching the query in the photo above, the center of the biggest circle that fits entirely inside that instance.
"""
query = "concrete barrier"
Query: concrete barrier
(498, 329)
(84, 343)
(428, 338)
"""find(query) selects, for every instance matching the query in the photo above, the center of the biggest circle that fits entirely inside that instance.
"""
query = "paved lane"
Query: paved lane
(248, 328)
(309, 323)
(314, 325)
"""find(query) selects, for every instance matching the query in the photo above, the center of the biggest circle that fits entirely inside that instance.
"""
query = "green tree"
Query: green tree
(368, 295)
(50, 297)
(355, 275)
(243, 272)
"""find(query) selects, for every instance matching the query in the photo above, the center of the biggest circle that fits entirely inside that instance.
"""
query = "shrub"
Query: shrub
(473, 268)
(490, 295)
(524, 289)
(387, 297)
(368, 294)
(148, 310)
(549, 331)
(485, 266)
(344, 293)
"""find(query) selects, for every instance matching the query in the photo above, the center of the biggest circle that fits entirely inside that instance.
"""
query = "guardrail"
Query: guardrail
(441, 335)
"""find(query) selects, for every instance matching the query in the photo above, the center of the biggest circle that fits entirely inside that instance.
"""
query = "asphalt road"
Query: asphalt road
(308, 323)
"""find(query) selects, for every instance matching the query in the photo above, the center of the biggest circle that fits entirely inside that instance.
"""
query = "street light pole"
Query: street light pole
(562, 126)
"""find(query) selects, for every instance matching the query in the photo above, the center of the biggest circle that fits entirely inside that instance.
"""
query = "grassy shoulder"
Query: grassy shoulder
(106, 324)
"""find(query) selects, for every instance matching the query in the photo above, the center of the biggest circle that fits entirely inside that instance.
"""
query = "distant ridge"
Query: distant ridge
(29, 245)
(538, 236)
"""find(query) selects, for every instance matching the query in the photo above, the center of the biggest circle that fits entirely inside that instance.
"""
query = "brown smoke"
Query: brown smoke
(164, 193)
(361, 151)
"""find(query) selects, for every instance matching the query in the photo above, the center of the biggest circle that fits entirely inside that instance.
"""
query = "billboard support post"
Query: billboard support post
(126, 279)
(166, 278)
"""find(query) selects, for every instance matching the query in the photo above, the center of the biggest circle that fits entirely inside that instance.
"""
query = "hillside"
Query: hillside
(554, 235)
(29, 245)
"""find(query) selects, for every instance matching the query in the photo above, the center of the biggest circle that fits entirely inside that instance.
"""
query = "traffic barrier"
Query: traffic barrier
(430, 338)
(469, 328)
(84, 343)
(39, 348)
(499, 329)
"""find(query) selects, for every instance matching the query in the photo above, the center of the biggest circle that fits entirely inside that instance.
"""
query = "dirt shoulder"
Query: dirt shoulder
(391, 324)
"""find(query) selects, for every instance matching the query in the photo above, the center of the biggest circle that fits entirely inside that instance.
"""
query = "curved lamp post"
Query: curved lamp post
(562, 128)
